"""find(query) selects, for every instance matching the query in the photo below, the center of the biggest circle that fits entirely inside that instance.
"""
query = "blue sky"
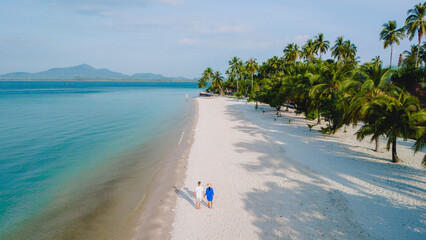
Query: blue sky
(182, 37)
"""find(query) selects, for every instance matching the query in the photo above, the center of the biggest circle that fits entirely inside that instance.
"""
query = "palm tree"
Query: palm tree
(338, 50)
(320, 44)
(234, 69)
(422, 53)
(390, 34)
(308, 50)
(252, 67)
(205, 78)
(331, 77)
(411, 56)
(374, 82)
(396, 117)
(349, 52)
(208, 74)
(291, 52)
(416, 23)
(270, 67)
(217, 82)
(202, 83)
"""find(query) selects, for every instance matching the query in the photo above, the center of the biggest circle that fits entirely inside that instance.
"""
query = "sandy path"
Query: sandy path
(274, 179)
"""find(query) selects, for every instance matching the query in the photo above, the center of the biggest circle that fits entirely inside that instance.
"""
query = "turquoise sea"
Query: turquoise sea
(76, 157)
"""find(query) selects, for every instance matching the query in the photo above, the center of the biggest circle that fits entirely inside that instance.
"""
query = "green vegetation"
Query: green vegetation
(388, 102)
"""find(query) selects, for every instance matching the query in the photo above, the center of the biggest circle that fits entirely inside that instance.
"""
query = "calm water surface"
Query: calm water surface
(76, 157)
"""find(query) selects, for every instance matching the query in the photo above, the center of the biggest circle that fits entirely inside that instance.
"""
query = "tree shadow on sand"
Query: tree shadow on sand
(312, 208)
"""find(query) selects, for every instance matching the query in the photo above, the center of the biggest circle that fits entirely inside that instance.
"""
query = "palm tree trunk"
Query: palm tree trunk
(377, 145)
(252, 82)
(237, 85)
(390, 64)
(418, 48)
(319, 117)
(395, 158)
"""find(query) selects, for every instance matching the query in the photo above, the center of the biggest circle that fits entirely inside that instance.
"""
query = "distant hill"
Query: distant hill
(86, 72)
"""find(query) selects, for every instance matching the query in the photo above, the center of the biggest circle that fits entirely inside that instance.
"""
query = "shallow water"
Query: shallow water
(76, 157)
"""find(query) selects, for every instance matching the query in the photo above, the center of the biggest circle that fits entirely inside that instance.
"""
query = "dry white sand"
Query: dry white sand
(275, 179)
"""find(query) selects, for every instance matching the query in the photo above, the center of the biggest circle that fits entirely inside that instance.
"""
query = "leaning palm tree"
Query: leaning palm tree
(416, 23)
(396, 117)
(205, 78)
(390, 35)
(252, 67)
(338, 50)
(208, 74)
(291, 52)
(320, 44)
(202, 83)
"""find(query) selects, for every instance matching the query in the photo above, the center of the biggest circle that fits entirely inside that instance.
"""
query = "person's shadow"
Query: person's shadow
(187, 194)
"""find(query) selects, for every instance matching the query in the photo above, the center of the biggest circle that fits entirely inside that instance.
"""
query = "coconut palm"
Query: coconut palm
(411, 56)
(331, 77)
(396, 117)
(320, 44)
(390, 35)
(338, 50)
(373, 83)
(217, 82)
(422, 53)
(270, 67)
(308, 50)
(208, 74)
(421, 140)
(416, 23)
(252, 67)
(349, 51)
(202, 83)
(235, 69)
(291, 52)
(205, 78)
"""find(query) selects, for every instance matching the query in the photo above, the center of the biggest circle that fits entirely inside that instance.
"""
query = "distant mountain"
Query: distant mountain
(147, 76)
(86, 72)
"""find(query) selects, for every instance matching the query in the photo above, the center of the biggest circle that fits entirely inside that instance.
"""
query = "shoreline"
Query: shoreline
(157, 208)
(97, 80)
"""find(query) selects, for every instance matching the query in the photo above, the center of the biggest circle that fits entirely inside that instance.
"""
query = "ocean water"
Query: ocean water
(76, 157)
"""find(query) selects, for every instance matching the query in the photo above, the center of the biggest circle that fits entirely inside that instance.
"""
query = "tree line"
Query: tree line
(388, 101)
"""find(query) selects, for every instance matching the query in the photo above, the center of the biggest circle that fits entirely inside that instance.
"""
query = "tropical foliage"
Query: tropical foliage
(387, 102)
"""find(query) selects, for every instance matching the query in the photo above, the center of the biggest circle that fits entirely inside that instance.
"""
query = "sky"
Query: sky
(183, 37)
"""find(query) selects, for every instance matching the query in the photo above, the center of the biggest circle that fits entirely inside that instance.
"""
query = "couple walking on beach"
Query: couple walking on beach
(199, 193)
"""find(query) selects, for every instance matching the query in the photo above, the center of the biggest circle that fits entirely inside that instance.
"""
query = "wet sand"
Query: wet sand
(157, 209)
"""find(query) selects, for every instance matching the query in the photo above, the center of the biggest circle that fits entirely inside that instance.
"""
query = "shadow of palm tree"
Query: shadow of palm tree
(315, 209)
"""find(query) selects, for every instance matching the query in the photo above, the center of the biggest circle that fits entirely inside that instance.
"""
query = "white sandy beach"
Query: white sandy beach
(275, 179)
